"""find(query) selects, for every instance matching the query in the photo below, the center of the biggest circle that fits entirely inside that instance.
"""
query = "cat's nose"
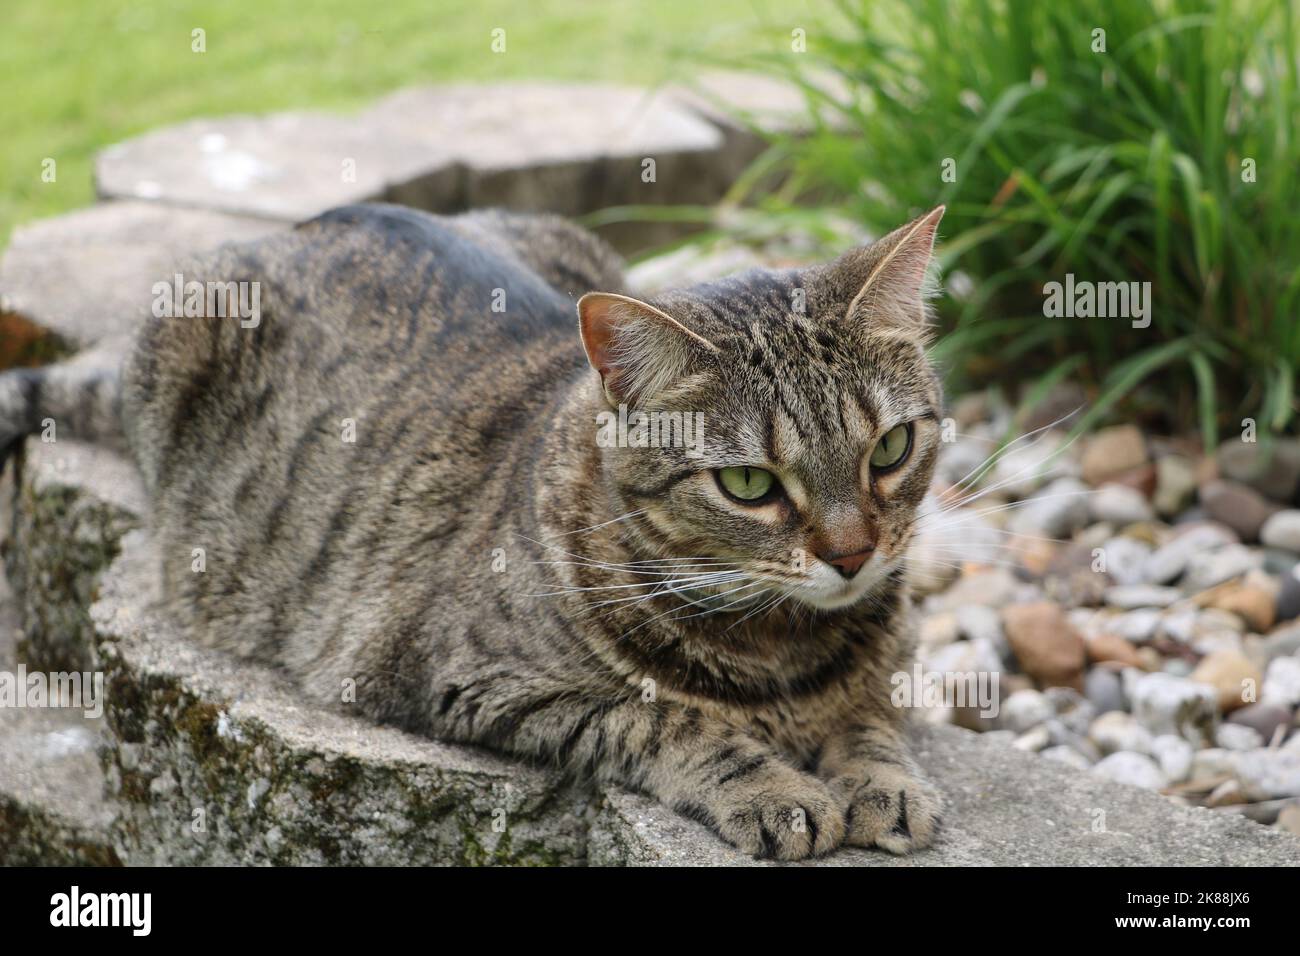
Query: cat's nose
(849, 564)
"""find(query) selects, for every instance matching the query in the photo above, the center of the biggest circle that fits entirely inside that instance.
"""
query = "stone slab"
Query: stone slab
(282, 166)
(197, 736)
(66, 505)
(1005, 808)
(86, 276)
(52, 805)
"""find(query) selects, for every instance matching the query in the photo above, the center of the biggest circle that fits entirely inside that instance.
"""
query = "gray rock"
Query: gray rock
(1168, 562)
(1282, 530)
(1057, 511)
(1269, 774)
(1033, 740)
(1068, 756)
(1137, 626)
(1206, 569)
(1120, 505)
(1240, 507)
(1272, 469)
(1132, 596)
(978, 623)
(1117, 731)
(1165, 704)
(1102, 687)
(1264, 719)
(1288, 594)
(1213, 764)
(1237, 737)
(1136, 770)
(1024, 710)
(1282, 642)
(1179, 625)
(1126, 560)
(1174, 755)
(1282, 683)
(1073, 710)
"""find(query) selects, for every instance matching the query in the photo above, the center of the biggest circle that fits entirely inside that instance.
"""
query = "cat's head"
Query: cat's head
(795, 414)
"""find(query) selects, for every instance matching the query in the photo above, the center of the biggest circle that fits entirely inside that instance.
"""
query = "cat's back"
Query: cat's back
(389, 355)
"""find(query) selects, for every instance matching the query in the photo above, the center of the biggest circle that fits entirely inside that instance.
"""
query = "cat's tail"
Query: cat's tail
(79, 399)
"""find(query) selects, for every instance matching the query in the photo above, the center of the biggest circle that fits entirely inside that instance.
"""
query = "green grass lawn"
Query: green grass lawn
(77, 75)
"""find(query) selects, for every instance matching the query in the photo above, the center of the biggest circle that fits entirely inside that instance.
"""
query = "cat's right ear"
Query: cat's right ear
(637, 349)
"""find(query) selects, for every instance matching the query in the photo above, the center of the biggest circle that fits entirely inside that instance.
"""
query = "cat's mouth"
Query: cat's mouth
(825, 589)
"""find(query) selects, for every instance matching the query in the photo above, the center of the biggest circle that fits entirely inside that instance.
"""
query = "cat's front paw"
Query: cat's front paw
(891, 808)
(787, 815)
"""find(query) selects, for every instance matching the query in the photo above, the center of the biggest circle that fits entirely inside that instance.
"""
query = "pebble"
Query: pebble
(1136, 770)
(1068, 756)
(1287, 606)
(1168, 562)
(1166, 704)
(1116, 731)
(1282, 683)
(1120, 505)
(1112, 451)
(1019, 471)
(976, 622)
(1112, 647)
(1126, 560)
(1233, 676)
(1237, 737)
(1137, 626)
(1057, 511)
(1024, 710)
(1282, 530)
(1273, 470)
(1174, 755)
(1269, 774)
(1102, 688)
(1206, 569)
(1240, 507)
(1047, 647)
(1175, 485)
(1213, 763)
(1073, 710)
(1282, 642)
(1131, 596)
(1264, 719)
(1254, 600)
(1179, 625)
(1226, 794)
(1033, 740)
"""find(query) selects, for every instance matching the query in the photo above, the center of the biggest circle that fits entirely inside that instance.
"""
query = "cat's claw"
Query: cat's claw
(790, 817)
(890, 808)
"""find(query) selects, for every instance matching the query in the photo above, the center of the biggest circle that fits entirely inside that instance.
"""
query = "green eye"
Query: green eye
(745, 483)
(891, 449)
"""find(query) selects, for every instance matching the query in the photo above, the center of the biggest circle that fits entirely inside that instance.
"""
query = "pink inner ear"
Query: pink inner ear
(598, 336)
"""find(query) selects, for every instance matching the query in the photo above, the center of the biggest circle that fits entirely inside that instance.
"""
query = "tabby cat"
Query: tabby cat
(404, 475)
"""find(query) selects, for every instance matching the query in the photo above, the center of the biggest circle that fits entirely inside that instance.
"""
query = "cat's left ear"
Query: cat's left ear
(637, 349)
(894, 273)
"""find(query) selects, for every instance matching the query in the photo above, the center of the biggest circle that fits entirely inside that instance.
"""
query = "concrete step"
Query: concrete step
(53, 811)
